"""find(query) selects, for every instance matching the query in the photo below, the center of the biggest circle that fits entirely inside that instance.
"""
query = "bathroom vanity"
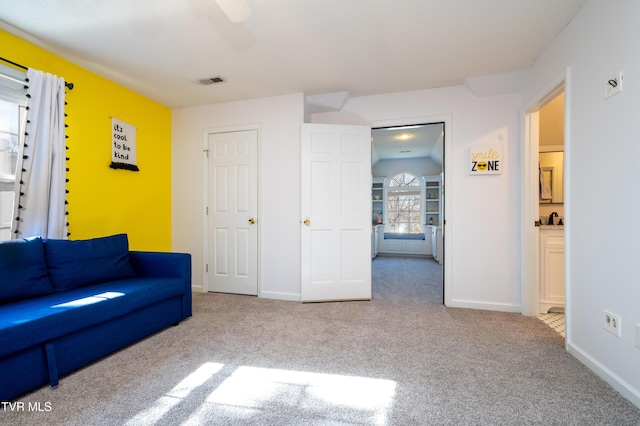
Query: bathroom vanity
(551, 267)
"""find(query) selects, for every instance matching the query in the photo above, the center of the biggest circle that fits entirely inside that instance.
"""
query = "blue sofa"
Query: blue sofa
(64, 304)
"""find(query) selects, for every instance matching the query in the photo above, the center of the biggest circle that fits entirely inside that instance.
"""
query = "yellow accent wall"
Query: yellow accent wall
(105, 201)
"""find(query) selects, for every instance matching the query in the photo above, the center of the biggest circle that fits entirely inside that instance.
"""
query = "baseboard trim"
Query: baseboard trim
(293, 297)
(486, 306)
(616, 382)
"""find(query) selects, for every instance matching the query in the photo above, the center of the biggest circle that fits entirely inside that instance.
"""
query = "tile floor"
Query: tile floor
(555, 321)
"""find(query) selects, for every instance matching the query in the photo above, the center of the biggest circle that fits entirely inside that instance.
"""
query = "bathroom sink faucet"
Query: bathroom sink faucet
(551, 216)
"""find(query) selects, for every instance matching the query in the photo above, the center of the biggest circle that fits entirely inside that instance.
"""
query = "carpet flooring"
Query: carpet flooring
(400, 359)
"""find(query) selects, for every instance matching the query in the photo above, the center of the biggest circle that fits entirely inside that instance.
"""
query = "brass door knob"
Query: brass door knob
(307, 222)
(252, 220)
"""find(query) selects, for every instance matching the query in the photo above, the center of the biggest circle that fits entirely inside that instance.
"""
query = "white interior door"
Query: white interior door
(336, 213)
(232, 212)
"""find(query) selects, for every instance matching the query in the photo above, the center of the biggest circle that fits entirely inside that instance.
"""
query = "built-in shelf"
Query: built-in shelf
(377, 200)
(432, 194)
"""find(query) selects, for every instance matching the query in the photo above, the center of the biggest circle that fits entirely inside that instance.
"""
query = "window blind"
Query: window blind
(13, 87)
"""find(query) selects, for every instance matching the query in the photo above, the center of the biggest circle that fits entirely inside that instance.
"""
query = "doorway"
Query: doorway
(408, 201)
(545, 281)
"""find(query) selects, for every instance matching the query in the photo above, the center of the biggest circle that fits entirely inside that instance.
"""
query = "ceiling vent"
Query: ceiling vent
(211, 80)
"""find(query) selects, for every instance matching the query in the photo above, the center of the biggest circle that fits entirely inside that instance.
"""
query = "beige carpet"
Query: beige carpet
(397, 360)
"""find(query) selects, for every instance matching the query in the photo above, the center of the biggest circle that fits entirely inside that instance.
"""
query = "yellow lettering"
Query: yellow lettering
(488, 155)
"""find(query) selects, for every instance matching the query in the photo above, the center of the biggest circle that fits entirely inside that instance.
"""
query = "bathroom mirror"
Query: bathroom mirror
(551, 177)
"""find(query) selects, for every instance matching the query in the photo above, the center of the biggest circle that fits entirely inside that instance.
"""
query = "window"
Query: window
(12, 113)
(404, 204)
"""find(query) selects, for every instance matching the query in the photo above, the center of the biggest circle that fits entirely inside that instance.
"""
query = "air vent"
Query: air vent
(211, 80)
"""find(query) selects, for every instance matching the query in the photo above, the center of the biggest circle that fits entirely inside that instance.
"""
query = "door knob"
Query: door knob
(252, 220)
(307, 222)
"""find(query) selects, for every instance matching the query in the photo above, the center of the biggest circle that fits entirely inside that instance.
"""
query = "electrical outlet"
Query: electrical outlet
(613, 85)
(612, 323)
(638, 336)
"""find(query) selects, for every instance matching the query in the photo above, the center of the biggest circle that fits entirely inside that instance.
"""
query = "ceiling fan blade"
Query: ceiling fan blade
(236, 10)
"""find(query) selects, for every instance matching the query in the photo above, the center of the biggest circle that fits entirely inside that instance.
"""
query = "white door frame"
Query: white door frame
(446, 185)
(205, 199)
(530, 241)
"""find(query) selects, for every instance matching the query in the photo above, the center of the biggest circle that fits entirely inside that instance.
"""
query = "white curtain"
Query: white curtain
(40, 196)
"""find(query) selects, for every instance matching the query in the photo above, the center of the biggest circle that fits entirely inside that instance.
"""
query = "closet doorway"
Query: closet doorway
(408, 210)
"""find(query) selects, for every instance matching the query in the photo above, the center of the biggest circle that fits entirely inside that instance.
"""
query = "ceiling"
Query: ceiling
(406, 142)
(162, 48)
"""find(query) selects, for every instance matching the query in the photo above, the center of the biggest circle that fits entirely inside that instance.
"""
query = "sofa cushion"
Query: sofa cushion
(77, 263)
(30, 322)
(23, 270)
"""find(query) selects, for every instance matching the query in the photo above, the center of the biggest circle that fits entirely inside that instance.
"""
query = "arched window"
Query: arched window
(404, 204)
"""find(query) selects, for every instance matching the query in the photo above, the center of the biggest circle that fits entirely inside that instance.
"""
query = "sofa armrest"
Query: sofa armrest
(165, 264)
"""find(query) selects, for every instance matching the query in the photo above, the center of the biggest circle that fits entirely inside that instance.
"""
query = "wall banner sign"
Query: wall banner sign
(123, 145)
(486, 159)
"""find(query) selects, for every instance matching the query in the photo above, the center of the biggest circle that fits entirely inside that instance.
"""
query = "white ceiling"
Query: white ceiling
(161, 48)
(420, 141)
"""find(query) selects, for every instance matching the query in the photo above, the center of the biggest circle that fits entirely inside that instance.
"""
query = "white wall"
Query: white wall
(601, 203)
(278, 120)
(483, 222)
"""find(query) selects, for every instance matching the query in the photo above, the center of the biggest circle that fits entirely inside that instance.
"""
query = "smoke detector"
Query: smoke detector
(211, 80)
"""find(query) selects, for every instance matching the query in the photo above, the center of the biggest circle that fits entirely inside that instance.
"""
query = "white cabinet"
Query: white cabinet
(551, 268)
(374, 241)
(436, 243)
(417, 247)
